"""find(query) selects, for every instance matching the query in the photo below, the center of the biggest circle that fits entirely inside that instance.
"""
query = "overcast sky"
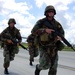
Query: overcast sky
(27, 12)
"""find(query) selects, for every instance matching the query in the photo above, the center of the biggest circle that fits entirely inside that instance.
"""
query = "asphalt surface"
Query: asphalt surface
(20, 66)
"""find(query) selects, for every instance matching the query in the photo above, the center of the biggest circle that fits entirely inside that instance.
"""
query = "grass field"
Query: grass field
(66, 48)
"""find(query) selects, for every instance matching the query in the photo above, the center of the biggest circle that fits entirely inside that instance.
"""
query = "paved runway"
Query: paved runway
(20, 66)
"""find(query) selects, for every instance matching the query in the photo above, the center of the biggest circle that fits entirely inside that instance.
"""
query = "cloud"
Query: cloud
(11, 5)
(23, 12)
(21, 19)
(39, 3)
(19, 11)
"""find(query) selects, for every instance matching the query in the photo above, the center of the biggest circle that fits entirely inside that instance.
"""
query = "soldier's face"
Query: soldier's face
(11, 24)
(50, 13)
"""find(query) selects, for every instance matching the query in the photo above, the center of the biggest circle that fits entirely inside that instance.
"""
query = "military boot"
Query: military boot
(37, 71)
(52, 72)
(6, 71)
(31, 63)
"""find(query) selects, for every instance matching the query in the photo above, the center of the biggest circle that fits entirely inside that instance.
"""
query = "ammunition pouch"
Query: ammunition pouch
(59, 45)
(36, 41)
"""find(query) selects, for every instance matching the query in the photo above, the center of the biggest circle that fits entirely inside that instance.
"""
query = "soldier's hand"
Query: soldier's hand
(9, 41)
(59, 38)
(49, 31)
(38, 32)
(17, 44)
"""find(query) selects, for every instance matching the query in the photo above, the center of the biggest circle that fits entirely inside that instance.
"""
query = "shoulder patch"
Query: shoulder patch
(59, 26)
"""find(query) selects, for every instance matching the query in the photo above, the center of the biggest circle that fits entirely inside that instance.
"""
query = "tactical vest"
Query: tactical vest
(45, 38)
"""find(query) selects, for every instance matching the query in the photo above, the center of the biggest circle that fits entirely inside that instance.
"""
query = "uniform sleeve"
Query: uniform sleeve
(19, 36)
(36, 27)
(2, 36)
(28, 38)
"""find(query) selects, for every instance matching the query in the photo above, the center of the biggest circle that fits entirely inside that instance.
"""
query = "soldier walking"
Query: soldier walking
(33, 50)
(49, 43)
(10, 48)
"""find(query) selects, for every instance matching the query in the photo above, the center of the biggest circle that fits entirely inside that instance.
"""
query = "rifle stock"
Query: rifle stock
(50, 25)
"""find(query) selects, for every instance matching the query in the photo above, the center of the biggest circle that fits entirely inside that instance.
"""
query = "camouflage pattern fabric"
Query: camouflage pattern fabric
(54, 65)
(33, 50)
(48, 47)
(46, 55)
(10, 49)
(9, 54)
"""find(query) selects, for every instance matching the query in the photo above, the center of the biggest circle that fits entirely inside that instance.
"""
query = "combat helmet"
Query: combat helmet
(50, 7)
(11, 20)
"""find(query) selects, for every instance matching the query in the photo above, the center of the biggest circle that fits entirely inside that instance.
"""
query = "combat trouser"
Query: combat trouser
(33, 52)
(54, 65)
(45, 62)
(7, 58)
(6, 63)
(9, 54)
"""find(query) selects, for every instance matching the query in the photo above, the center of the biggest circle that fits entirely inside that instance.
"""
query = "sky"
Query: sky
(28, 12)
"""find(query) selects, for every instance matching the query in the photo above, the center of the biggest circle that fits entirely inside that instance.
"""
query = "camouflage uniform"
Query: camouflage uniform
(10, 49)
(33, 50)
(48, 45)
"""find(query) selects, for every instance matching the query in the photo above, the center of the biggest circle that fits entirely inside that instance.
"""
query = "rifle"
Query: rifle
(51, 26)
(14, 41)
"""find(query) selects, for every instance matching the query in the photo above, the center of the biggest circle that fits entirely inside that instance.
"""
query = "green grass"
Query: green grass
(25, 44)
(66, 48)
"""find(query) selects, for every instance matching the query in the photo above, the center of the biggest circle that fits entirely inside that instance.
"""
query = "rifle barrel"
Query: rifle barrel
(50, 25)
(22, 46)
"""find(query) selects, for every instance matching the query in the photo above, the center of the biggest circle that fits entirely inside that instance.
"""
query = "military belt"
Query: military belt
(44, 42)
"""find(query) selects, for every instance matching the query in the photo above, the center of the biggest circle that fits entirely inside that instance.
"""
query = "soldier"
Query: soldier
(49, 43)
(33, 50)
(10, 48)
